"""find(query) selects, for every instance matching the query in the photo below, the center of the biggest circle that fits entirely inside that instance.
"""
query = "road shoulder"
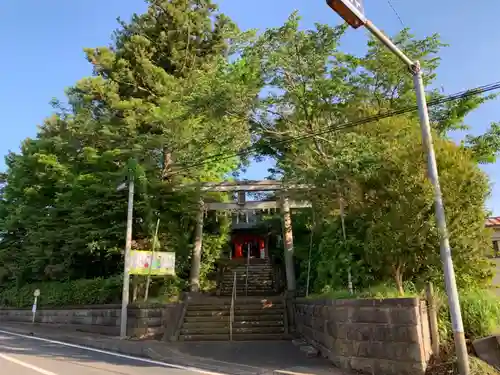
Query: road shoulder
(171, 354)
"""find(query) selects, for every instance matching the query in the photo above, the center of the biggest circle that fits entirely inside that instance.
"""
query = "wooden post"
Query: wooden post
(288, 243)
(433, 319)
(194, 277)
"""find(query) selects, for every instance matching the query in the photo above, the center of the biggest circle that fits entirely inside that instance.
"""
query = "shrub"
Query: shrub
(480, 314)
(70, 293)
(380, 291)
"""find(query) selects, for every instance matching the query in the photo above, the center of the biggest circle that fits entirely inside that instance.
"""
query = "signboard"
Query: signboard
(141, 263)
(352, 11)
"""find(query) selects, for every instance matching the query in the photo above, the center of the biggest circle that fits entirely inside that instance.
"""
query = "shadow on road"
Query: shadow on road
(241, 358)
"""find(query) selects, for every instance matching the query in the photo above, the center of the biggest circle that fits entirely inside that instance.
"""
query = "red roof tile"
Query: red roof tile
(493, 222)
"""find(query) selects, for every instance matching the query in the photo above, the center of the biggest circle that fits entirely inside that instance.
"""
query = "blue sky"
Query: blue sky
(43, 40)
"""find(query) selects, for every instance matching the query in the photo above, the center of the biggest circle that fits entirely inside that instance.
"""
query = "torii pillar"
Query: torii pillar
(194, 275)
(288, 243)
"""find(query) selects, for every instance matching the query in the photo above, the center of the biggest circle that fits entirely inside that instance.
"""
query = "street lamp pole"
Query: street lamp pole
(126, 268)
(353, 13)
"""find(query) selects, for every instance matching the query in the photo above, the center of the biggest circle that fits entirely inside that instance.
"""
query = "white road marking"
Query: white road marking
(27, 365)
(144, 360)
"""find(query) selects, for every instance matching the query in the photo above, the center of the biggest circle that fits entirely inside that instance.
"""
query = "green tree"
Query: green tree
(314, 87)
(164, 96)
(313, 90)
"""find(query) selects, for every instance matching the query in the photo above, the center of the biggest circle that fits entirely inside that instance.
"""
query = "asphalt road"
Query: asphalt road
(30, 356)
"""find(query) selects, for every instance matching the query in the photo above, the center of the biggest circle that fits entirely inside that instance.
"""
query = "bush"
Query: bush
(70, 293)
(480, 314)
(376, 292)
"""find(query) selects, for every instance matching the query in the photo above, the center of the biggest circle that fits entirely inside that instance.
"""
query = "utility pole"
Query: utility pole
(352, 11)
(126, 268)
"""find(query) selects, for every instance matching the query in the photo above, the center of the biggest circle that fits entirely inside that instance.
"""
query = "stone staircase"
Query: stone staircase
(254, 319)
(260, 280)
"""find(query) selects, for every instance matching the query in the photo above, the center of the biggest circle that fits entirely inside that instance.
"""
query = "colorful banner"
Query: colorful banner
(162, 264)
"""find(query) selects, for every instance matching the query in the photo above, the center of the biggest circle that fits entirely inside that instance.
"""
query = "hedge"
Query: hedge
(69, 293)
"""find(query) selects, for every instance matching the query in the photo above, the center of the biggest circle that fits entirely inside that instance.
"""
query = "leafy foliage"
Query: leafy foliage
(390, 222)
(480, 314)
(378, 169)
(164, 97)
(96, 291)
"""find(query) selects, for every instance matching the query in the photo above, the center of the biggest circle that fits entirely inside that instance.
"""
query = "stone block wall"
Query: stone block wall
(105, 319)
(379, 337)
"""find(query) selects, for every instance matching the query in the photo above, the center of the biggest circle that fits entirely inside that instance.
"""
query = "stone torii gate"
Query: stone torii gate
(241, 188)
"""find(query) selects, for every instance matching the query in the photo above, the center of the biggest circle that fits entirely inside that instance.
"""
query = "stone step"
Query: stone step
(237, 306)
(250, 282)
(230, 280)
(249, 288)
(237, 318)
(236, 330)
(250, 272)
(216, 300)
(250, 292)
(250, 269)
(237, 324)
(238, 312)
(236, 337)
(252, 276)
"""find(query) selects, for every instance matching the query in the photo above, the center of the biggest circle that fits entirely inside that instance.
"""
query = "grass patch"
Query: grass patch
(380, 291)
(480, 314)
(477, 367)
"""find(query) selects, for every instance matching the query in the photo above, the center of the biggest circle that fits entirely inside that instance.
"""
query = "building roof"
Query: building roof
(493, 222)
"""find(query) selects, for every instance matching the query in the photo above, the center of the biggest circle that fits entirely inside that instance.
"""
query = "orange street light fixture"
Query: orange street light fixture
(351, 11)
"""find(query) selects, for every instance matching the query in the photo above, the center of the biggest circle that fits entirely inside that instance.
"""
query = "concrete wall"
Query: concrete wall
(142, 320)
(385, 337)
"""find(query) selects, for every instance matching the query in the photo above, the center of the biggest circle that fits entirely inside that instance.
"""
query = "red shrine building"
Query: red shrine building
(248, 246)
(250, 236)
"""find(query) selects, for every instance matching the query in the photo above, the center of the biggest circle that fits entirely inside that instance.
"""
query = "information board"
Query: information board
(161, 264)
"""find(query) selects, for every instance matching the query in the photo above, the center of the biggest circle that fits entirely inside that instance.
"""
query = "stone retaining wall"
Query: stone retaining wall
(379, 337)
(105, 319)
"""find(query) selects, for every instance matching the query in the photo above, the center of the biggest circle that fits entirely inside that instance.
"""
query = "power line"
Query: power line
(396, 12)
(351, 124)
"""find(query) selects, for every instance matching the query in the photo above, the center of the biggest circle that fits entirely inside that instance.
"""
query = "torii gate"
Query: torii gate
(242, 187)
